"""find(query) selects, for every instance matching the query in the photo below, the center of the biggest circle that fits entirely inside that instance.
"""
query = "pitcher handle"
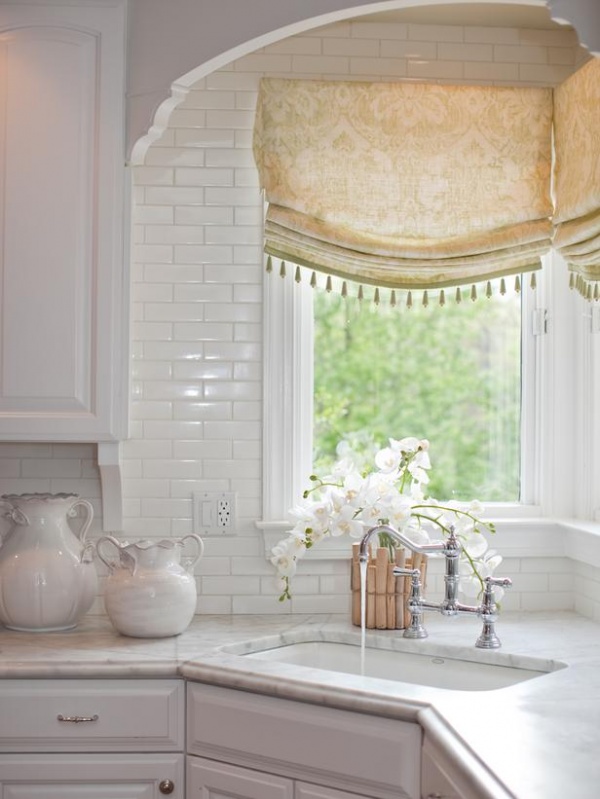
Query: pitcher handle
(112, 564)
(15, 514)
(191, 561)
(90, 515)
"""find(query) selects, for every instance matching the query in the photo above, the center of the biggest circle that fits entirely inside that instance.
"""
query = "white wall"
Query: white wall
(197, 294)
(169, 39)
(197, 313)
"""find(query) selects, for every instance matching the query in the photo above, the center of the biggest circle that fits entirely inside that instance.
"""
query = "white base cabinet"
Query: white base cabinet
(91, 776)
(209, 779)
(247, 745)
(92, 739)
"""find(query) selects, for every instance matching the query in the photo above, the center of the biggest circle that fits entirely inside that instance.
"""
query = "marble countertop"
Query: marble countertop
(534, 740)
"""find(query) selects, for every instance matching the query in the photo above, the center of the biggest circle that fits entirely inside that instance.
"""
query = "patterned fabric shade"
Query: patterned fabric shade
(577, 174)
(405, 185)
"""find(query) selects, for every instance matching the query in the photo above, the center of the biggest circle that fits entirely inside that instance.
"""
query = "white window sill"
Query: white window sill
(524, 537)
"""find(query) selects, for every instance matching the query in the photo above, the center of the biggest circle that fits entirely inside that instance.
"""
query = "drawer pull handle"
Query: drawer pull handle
(166, 786)
(77, 719)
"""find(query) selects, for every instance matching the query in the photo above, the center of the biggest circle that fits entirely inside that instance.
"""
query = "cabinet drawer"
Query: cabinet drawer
(91, 715)
(354, 752)
(91, 776)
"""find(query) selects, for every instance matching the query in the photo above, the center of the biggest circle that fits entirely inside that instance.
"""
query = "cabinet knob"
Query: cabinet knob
(166, 786)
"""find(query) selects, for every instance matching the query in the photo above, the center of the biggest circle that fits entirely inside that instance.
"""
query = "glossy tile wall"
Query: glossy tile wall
(196, 405)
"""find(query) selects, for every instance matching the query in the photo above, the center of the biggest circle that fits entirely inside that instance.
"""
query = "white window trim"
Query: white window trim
(561, 434)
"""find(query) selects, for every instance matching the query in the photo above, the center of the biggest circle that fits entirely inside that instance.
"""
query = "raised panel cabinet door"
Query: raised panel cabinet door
(61, 220)
(91, 776)
(210, 779)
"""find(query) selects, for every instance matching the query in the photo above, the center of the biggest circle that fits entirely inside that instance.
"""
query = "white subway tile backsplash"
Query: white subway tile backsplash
(203, 215)
(175, 156)
(188, 118)
(260, 63)
(542, 73)
(399, 48)
(204, 138)
(196, 408)
(176, 234)
(203, 176)
(158, 214)
(176, 273)
(350, 47)
(320, 64)
(436, 33)
(202, 370)
(395, 67)
(202, 98)
(203, 332)
(436, 69)
(298, 45)
(376, 30)
(202, 411)
(497, 35)
(151, 370)
(462, 51)
(202, 450)
(146, 409)
(528, 54)
(492, 71)
(202, 254)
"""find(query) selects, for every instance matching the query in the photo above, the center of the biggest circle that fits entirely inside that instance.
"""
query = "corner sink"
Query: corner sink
(436, 671)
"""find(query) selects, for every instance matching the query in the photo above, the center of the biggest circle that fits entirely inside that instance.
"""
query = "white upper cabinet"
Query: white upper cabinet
(63, 277)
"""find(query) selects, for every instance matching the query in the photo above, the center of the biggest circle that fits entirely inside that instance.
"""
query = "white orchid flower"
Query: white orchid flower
(345, 523)
(388, 459)
(358, 495)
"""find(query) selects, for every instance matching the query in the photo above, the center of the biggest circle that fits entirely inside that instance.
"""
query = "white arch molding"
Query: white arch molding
(148, 27)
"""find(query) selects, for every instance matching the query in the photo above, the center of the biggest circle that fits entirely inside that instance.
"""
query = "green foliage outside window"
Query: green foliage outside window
(451, 374)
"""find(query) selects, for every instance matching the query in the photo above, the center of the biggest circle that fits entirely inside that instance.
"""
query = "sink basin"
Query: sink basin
(453, 673)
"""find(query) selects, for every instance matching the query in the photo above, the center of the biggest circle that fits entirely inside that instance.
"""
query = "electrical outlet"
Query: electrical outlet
(223, 512)
(214, 512)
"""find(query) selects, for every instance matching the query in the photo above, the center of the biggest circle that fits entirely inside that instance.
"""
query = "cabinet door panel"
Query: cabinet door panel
(61, 220)
(209, 779)
(90, 776)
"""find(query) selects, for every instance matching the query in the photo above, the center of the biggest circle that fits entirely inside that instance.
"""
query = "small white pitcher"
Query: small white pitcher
(148, 593)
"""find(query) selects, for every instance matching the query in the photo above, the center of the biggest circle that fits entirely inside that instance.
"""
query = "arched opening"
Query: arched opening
(197, 276)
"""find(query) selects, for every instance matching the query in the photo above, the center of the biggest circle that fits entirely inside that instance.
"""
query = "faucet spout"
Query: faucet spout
(423, 549)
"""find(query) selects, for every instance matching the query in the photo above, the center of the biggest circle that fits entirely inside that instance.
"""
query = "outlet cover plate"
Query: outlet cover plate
(214, 512)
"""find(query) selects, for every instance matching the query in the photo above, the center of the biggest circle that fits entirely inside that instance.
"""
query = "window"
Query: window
(513, 402)
(451, 374)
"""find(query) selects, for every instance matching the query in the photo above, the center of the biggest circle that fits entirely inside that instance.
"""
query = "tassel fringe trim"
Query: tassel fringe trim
(588, 289)
(397, 298)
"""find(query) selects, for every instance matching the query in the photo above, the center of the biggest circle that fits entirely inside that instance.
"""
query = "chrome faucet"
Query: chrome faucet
(450, 548)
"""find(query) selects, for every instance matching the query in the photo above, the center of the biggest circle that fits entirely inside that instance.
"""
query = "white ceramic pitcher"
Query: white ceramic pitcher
(148, 593)
(47, 578)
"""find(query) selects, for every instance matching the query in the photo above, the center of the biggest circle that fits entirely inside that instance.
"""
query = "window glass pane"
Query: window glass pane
(451, 374)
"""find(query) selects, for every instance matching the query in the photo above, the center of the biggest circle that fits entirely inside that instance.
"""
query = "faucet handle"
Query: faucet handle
(488, 613)
(504, 581)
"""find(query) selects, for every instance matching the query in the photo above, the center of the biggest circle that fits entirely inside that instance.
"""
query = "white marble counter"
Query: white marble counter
(534, 740)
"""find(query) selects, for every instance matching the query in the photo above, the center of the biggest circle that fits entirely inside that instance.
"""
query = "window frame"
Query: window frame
(560, 434)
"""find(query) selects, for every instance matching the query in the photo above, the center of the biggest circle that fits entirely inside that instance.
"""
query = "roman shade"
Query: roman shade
(577, 175)
(405, 185)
